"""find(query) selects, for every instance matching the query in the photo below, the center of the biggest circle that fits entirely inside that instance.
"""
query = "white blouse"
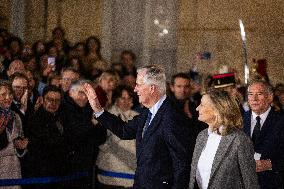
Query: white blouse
(206, 159)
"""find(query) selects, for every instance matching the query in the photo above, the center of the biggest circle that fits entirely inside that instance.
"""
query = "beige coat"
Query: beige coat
(9, 159)
(118, 155)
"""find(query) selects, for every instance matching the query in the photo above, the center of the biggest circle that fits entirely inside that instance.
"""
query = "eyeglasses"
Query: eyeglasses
(70, 79)
(3, 95)
(53, 100)
(20, 87)
(125, 99)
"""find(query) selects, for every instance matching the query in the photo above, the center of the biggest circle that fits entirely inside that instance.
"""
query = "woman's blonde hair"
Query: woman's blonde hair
(229, 114)
(109, 73)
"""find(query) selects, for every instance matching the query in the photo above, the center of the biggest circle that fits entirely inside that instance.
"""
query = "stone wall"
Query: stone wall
(5, 10)
(195, 26)
(213, 26)
(35, 21)
(80, 19)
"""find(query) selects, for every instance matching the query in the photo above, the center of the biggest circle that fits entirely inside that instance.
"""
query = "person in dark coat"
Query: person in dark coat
(180, 88)
(265, 126)
(162, 135)
(46, 150)
(81, 133)
(3, 138)
(21, 104)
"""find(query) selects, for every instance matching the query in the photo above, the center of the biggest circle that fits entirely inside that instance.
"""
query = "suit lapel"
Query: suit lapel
(139, 140)
(155, 122)
(221, 152)
(198, 150)
(201, 145)
(152, 127)
(267, 125)
(265, 129)
(247, 123)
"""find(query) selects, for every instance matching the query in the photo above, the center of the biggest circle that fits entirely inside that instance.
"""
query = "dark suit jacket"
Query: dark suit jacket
(233, 165)
(180, 105)
(24, 117)
(163, 154)
(270, 146)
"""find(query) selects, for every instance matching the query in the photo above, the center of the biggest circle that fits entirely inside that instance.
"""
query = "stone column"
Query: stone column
(17, 24)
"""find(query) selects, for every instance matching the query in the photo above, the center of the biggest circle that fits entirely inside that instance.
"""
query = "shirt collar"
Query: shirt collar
(154, 109)
(262, 116)
(215, 132)
(16, 102)
(209, 132)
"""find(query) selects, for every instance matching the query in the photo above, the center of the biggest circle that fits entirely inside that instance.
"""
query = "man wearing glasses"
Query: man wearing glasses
(46, 149)
(21, 104)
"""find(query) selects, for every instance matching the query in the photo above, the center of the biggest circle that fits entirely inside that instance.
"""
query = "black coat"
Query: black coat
(81, 135)
(15, 106)
(179, 104)
(46, 149)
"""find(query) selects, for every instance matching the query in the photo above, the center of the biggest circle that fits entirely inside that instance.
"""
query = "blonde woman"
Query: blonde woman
(108, 81)
(223, 154)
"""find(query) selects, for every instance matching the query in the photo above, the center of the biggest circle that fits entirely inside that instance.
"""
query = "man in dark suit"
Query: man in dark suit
(180, 88)
(266, 127)
(162, 136)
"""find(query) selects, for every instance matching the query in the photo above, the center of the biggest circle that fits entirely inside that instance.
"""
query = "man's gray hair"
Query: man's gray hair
(267, 86)
(154, 75)
(79, 83)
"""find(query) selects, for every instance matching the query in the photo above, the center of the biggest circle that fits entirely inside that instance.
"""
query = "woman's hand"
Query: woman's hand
(48, 69)
(2, 128)
(24, 101)
(93, 99)
(3, 122)
(21, 143)
(38, 103)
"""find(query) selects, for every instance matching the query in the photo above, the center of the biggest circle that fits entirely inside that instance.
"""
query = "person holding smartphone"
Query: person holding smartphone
(51, 62)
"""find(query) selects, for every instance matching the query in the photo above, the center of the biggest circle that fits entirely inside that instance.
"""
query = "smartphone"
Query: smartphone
(51, 60)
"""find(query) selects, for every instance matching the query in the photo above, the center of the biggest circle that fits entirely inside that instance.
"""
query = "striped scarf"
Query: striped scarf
(10, 115)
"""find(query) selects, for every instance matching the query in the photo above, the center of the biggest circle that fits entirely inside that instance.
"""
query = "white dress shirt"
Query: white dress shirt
(154, 109)
(263, 117)
(206, 159)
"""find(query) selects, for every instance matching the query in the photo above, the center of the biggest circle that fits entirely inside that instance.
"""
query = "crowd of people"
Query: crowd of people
(65, 110)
